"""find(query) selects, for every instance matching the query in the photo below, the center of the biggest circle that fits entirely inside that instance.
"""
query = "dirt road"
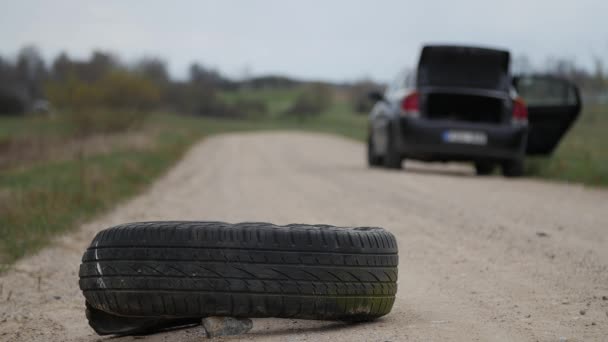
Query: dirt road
(487, 259)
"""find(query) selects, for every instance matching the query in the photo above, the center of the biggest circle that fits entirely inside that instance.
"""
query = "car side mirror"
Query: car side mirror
(376, 96)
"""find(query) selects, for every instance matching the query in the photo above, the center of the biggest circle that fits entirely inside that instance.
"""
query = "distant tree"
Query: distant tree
(154, 69)
(7, 72)
(31, 70)
(271, 81)
(12, 101)
(100, 64)
(201, 75)
(61, 67)
(599, 78)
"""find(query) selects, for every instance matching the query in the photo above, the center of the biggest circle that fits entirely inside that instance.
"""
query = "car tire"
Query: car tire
(513, 168)
(175, 271)
(373, 159)
(483, 168)
(392, 158)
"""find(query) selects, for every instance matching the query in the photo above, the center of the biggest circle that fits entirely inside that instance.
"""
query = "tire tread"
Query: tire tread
(252, 269)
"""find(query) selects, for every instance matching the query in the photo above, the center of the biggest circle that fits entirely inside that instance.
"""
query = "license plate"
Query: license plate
(465, 137)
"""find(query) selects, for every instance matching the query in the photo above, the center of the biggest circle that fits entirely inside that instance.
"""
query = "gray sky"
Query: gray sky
(330, 39)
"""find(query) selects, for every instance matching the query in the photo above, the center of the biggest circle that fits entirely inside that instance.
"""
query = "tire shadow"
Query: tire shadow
(266, 328)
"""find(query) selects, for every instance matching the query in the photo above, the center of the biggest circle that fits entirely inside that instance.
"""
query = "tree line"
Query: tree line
(103, 80)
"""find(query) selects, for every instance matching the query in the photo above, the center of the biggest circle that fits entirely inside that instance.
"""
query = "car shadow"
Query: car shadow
(455, 170)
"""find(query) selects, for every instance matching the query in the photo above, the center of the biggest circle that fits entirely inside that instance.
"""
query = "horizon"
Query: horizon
(341, 42)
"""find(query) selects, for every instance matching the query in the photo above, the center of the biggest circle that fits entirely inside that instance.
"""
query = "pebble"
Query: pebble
(582, 312)
(226, 326)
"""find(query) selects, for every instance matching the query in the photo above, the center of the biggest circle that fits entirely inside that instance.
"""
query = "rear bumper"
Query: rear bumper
(424, 139)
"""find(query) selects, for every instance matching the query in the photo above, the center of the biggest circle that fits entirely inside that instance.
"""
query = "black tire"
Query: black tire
(513, 168)
(484, 168)
(392, 158)
(178, 270)
(373, 160)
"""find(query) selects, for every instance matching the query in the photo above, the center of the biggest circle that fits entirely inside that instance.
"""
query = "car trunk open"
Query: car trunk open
(464, 83)
(464, 107)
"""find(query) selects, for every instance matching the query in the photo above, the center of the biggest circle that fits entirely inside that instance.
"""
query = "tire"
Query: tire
(513, 168)
(373, 160)
(392, 158)
(484, 168)
(182, 270)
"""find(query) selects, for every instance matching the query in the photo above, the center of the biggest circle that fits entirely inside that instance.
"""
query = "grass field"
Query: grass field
(582, 156)
(39, 200)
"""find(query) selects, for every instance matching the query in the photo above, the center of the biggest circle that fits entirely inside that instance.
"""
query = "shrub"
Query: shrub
(313, 100)
(251, 108)
(117, 101)
(359, 96)
(95, 120)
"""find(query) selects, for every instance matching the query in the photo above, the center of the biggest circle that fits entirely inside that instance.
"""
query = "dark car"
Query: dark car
(462, 104)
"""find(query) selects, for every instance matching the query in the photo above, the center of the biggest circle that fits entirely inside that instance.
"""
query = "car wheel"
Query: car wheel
(484, 168)
(392, 158)
(372, 159)
(513, 168)
(155, 272)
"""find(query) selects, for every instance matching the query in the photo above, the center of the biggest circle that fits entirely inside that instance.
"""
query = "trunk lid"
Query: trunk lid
(463, 67)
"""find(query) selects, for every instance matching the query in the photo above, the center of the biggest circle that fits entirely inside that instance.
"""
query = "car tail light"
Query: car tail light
(520, 111)
(410, 105)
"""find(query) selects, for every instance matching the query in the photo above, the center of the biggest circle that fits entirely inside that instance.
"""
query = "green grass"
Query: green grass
(277, 100)
(337, 119)
(582, 156)
(40, 200)
(15, 126)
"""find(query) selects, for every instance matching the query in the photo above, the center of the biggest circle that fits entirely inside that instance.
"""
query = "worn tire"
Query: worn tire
(197, 269)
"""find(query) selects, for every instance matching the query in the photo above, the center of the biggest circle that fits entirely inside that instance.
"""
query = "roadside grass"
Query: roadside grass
(42, 199)
(582, 156)
(15, 126)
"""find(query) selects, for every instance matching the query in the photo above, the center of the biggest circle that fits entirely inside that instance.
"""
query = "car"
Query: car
(463, 104)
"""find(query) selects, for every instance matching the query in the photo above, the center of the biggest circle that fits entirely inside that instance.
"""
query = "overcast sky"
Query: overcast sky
(320, 39)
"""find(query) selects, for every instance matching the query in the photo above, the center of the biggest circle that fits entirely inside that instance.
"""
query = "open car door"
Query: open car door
(553, 106)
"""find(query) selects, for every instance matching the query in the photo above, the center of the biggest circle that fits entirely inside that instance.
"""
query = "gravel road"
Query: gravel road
(481, 258)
